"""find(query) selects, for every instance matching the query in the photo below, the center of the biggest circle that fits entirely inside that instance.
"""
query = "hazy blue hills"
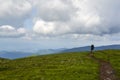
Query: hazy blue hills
(87, 48)
(14, 54)
(49, 51)
(18, 54)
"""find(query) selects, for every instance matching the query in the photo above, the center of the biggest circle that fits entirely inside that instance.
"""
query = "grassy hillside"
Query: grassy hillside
(113, 56)
(3, 61)
(69, 66)
(65, 66)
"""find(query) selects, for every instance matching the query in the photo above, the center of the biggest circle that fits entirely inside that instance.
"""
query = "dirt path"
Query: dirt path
(106, 70)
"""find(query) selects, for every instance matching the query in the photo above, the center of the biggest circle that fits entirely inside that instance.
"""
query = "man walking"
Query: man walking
(92, 48)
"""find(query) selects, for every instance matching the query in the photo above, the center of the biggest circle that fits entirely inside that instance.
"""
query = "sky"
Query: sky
(28, 25)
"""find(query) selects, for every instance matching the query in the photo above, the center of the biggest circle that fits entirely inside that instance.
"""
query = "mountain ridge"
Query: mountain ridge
(18, 54)
(87, 48)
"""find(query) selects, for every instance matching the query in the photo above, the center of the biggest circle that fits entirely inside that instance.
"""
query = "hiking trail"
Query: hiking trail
(105, 69)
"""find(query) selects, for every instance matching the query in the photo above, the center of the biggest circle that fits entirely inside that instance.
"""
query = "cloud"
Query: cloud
(55, 10)
(59, 23)
(78, 17)
(43, 27)
(62, 17)
(7, 31)
(14, 12)
(49, 28)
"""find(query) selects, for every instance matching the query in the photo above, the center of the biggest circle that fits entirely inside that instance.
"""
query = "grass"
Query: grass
(67, 66)
(112, 56)
(64, 66)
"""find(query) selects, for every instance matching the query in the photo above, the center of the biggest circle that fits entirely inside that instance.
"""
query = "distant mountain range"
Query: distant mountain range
(87, 48)
(49, 51)
(14, 54)
(18, 54)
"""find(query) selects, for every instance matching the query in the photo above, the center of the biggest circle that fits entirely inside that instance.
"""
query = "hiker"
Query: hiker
(92, 48)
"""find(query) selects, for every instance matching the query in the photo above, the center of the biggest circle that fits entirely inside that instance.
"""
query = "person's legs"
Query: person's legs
(91, 52)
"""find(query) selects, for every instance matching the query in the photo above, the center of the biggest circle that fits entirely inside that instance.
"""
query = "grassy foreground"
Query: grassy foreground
(64, 66)
(112, 56)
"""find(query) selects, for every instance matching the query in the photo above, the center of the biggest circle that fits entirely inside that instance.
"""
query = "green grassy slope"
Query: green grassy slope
(112, 56)
(65, 66)
(69, 66)
(3, 63)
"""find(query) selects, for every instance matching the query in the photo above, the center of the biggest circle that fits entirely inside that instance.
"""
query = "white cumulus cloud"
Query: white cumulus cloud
(14, 12)
(7, 31)
(16, 8)
(44, 27)
(96, 17)
(50, 28)
(62, 17)
(55, 10)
